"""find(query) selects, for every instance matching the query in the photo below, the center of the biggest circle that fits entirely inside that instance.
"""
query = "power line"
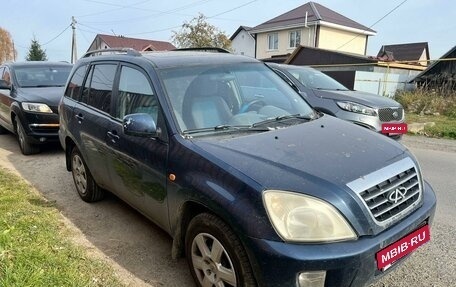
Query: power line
(93, 28)
(169, 28)
(235, 8)
(386, 15)
(56, 36)
(132, 6)
(83, 35)
(155, 15)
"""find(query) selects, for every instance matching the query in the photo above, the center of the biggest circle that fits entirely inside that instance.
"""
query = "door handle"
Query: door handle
(79, 117)
(113, 136)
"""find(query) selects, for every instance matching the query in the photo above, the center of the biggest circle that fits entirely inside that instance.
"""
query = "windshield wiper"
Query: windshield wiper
(47, 86)
(328, 89)
(283, 117)
(42, 86)
(224, 128)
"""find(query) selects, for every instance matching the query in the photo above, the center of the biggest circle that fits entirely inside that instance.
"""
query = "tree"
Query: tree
(7, 51)
(36, 53)
(198, 34)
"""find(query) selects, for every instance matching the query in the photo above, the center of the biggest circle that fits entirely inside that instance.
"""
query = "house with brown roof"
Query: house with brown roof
(102, 41)
(410, 53)
(311, 25)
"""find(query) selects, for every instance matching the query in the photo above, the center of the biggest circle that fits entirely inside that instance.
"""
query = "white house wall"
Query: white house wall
(243, 44)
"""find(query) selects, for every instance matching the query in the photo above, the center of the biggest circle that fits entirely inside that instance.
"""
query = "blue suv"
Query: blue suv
(255, 187)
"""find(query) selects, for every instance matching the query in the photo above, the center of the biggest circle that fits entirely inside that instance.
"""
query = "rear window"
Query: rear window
(42, 76)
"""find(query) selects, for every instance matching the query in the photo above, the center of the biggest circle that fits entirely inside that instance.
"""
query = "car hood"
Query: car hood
(326, 151)
(47, 95)
(364, 98)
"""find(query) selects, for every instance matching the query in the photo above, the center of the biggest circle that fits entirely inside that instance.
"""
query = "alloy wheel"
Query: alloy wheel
(211, 262)
(79, 174)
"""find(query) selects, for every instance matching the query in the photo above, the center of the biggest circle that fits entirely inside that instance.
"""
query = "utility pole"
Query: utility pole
(14, 52)
(74, 51)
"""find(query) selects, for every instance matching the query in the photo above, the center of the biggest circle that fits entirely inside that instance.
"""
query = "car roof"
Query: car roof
(170, 59)
(38, 64)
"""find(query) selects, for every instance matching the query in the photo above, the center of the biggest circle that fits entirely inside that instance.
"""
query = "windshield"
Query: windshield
(314, 79)
(42, 76)
(234, 95)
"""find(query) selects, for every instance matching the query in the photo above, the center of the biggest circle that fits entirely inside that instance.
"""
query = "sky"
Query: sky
(48, 21)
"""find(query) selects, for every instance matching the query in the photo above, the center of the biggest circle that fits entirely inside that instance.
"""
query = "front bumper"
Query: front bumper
(41, 128)
(350, 263)
(370, 122)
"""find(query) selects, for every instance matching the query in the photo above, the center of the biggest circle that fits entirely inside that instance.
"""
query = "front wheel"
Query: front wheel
(26, 147)
(87, 189)
(215, 255)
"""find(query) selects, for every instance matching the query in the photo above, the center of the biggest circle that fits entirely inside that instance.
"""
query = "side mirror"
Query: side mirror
(141, 125)
(4, 85)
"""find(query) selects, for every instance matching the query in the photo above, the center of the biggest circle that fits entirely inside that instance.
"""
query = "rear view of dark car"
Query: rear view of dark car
(329, 96)
(29, 95)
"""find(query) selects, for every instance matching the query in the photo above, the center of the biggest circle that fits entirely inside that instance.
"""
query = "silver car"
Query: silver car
(329, 96)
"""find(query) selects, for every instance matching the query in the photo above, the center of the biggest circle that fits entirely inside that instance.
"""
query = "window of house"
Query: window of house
(273, 41)
(295, 39)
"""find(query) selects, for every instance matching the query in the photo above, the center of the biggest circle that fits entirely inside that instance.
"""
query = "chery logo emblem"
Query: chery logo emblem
(397, 194)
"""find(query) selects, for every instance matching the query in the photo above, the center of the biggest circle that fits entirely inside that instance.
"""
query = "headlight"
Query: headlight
(36, 108)
(357, 108)
(303, 218)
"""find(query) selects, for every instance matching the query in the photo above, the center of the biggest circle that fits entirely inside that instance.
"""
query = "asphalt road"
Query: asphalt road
(141, 253)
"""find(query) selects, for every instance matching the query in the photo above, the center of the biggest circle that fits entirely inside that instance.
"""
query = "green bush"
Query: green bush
(428, 102)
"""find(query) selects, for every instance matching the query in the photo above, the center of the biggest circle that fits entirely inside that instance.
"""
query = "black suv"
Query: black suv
(254, 186)
(29, 95)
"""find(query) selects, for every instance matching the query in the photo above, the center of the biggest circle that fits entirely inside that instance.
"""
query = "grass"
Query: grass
(426, 105)
(34, 245)
(445, 127)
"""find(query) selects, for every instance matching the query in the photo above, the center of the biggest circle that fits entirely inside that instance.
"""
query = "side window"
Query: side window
(6, 76)
(98, 88)
(74, 86)
(135, 94)
(86, 89)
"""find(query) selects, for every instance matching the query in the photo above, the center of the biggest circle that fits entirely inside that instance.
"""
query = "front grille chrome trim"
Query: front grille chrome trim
(383, 191)
(403, 173)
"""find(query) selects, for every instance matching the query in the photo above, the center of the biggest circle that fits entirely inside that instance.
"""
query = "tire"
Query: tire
(26, 147)
(227, 265)
(86, 187)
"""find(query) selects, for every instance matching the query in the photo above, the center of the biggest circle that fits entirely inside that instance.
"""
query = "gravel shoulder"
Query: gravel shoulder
(422, 142)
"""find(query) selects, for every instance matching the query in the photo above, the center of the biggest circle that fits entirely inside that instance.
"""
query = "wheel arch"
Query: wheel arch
(188, 211)
(69, 145)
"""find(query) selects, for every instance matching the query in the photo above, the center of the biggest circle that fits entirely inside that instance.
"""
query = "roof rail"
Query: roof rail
(128, 51)
(204, 49)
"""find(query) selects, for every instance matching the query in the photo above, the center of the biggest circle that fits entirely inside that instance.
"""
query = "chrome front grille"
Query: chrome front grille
(390, 114)
(391, 192)
(392, 196)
